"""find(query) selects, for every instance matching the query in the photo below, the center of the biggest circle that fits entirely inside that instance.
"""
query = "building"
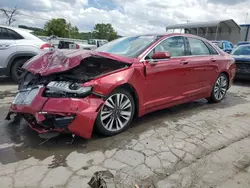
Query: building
(245, 33)
(212, 30)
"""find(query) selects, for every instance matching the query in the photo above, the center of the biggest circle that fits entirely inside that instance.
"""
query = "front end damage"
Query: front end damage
(63, 101)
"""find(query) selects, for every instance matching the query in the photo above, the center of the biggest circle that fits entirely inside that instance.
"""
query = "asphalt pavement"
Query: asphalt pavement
(191, 145)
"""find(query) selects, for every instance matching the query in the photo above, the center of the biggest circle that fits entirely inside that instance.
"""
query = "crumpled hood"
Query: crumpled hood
(63, 60)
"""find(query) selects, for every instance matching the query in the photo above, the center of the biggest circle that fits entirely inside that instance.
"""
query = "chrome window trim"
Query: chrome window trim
(143, 58)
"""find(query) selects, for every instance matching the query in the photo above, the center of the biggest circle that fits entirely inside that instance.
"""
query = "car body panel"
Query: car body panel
(7, 49)
(157, 85)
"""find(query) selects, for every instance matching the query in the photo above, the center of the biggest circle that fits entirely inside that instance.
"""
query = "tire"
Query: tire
(219, 89)
(16, 70)
(112, 118)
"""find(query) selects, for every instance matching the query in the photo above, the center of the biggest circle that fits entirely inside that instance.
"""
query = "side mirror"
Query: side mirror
(160, 55)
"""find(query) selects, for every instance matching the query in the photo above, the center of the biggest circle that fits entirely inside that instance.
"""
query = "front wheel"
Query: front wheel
(219, 89)
(116, 114)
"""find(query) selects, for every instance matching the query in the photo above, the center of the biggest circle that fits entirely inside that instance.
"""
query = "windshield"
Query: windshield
(241, 50)
(128, 46)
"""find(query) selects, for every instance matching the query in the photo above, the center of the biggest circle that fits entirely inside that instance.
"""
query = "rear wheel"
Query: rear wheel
(219, 89)
(16, 68)
(116, 113)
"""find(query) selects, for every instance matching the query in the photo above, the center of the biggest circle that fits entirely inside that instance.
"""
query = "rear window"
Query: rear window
(197, 47)
(8, 34)
(14, 35)
(4, 34)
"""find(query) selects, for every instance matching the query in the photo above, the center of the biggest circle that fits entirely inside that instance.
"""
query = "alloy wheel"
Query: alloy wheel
(116, 112)
(220, 87)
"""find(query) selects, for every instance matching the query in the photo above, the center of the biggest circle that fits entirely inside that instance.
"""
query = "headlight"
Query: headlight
(66, 89)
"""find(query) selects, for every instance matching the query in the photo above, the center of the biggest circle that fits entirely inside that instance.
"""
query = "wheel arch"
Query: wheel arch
(228, 79)
(130, 88)
(16, 56)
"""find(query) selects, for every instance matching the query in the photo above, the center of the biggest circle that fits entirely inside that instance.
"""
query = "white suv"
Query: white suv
(16, 47)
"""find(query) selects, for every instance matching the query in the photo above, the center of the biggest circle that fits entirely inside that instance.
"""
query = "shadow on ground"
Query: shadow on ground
(4, 80)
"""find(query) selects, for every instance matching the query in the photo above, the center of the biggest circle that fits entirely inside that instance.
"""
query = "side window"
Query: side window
(211, 49)
(14, 35)
(198, 47)
(5, 34)
(175, 46)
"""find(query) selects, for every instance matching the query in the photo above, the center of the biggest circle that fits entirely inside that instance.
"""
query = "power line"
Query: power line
(34, 17)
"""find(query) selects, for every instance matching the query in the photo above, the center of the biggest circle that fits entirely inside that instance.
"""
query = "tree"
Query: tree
(105, 31)
(86, 36)
(10, 15)
(61, 28)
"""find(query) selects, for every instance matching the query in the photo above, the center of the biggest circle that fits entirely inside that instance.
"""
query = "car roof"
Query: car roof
(23, 32)
(244, 45)
(244, 42)
(168, 35)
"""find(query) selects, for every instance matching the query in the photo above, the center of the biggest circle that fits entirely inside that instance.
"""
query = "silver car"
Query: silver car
(16, 47)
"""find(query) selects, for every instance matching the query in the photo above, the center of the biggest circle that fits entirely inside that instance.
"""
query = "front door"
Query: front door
(166, 78)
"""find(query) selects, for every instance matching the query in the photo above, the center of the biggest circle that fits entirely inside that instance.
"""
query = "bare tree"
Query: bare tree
(10, 14)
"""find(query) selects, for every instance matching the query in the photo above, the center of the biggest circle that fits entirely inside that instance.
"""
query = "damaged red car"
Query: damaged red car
(76, 91)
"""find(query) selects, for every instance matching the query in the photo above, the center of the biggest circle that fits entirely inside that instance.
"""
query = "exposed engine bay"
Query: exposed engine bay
(68, 83)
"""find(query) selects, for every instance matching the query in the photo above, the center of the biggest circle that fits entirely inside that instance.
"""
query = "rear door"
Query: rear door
(7, 47)
(202, 65)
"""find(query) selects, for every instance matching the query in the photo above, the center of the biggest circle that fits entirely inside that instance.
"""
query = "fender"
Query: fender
(105, 85)
(11, 59)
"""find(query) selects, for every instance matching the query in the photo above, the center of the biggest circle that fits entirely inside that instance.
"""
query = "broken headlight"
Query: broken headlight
(66, 89)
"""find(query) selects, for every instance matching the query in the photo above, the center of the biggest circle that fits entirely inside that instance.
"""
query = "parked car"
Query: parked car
(92, 44)
(241, 55)
(97, 42)
(226, 46)
(16, 47)
(126, 78)
(241, 43)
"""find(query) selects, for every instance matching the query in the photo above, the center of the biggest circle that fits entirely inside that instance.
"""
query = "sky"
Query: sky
(128, 17)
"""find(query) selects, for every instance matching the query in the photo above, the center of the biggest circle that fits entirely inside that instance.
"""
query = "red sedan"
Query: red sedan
(106, 88)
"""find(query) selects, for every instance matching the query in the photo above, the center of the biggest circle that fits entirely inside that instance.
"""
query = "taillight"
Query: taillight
(77, 46)
(46, 45)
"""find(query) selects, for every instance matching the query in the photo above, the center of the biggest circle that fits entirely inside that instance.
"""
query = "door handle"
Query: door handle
(4, 46)
(213, 60)
(183, 62)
